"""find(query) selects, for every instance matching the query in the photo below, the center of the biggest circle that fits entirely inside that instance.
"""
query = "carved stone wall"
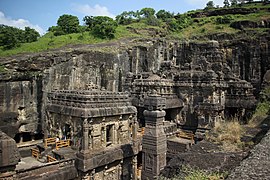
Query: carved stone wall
(247, 59)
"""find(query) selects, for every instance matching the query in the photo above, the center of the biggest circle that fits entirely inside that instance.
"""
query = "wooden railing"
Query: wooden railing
(143, 130)
(49, 141)
(139, 171)
(186, 135)
(50, 158)
(62, 143)
(35, 153)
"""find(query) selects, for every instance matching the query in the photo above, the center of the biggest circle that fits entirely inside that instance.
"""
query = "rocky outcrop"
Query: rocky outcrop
(250, 24)
(224, 11)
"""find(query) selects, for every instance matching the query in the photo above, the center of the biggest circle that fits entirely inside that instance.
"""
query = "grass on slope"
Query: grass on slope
(192, 173)
(262, 110)
(49, 41)
(209, 25)
(228, 134)
(200, 27)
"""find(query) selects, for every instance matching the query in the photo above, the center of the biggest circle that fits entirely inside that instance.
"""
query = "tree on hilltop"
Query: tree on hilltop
(30, 35)
(147, 12)
(226, 3)
(233, 2)
(68, 24)
(101, 26)
(11, 37)
(127, 17)
(210, 5)
(164, 15)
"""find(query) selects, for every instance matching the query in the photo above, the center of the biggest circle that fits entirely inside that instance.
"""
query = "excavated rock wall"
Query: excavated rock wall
(28, 78)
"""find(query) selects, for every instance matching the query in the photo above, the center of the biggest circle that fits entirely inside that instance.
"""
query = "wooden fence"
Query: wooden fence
(62, 143)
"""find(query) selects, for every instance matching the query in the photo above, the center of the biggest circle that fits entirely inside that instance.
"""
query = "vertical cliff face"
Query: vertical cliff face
(249, 60)
(27, 79)
(18, 104)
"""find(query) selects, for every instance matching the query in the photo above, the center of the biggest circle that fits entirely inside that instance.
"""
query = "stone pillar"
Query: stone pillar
(85, 141)
(85, 176)
(32, 136)
(103, 135)
(21, 138)
(105, 173)
(90, 143)
(92, 175)
(154, 143)
(114, 135)
(120, 169)
(134, 129)
(134, 168)
(90, 135)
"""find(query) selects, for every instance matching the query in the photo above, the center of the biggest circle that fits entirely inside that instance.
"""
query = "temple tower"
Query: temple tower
(154, 143)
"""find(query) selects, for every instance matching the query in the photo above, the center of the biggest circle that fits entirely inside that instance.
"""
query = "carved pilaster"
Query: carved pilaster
(85, 176)
(114, 135)
(85, 141)
(134, 128)
(92, 175)
(90, 135)
(120, 170)
(103, 135)
(134, 168)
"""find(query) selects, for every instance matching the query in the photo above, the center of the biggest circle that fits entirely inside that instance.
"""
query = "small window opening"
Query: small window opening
(109, 135)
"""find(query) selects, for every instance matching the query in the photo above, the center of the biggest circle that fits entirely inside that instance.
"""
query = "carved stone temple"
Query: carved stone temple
(153, 102)
(102, 126)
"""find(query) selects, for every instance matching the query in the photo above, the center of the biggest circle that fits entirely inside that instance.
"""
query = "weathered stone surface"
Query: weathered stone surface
(9, 153)
(62, 170)
(18, 107)
(256, 166)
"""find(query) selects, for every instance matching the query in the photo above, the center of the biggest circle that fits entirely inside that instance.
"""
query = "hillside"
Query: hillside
(248, 20)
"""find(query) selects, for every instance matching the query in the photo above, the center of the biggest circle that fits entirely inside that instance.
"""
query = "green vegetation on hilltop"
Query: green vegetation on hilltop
(11, 37)
(145, 23)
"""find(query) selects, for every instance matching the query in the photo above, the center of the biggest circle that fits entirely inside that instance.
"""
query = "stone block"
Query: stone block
(9, 154)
